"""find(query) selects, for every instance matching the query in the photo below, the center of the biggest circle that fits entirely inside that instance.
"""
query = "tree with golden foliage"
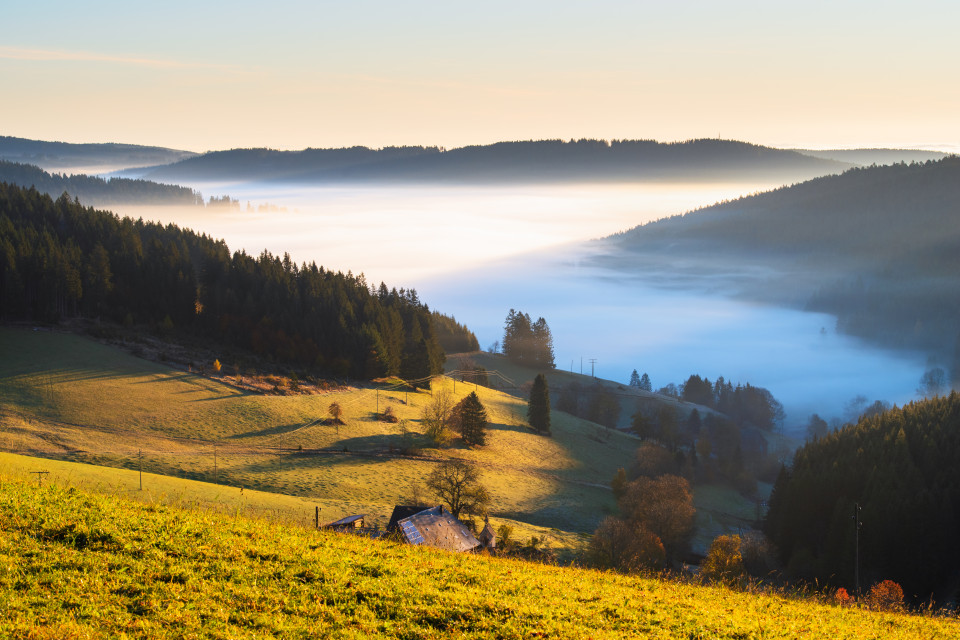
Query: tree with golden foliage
(724, 563)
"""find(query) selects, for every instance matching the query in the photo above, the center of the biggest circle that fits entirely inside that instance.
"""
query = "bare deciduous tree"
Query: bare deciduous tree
(457, 484)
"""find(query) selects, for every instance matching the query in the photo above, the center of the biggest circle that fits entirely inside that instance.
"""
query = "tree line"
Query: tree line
(526, 342)
(59, 259)
(899, 467)
(98, 191)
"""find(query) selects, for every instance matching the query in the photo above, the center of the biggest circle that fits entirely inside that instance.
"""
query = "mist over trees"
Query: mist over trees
(60, 260)
(453, 336)
(900, 467)
(98, 191)
(528, 343)
(873, 246)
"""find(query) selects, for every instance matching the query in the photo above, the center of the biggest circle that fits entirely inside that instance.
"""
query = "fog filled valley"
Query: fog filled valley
(476, 252)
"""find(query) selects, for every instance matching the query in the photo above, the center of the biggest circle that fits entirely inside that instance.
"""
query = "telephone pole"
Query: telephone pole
(857, 524)
(140, 465)
(593, 361)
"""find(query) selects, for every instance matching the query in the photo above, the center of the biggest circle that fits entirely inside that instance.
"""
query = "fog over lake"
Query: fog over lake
(475, 252)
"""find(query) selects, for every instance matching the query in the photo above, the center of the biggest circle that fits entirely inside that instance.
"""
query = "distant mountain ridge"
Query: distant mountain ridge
(87, 157)
(509, 162)
(867, 157)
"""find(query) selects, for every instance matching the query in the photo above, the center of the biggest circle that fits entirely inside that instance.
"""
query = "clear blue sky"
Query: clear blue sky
(290, 74)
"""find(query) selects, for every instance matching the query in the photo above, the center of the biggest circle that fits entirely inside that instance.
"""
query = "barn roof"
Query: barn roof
(435, 527)
(346, 521)
(402, 511)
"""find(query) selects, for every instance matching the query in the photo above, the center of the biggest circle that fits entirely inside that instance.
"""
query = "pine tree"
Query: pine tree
(645, 384)
(635, 379)
(538, 409)
(471, 419)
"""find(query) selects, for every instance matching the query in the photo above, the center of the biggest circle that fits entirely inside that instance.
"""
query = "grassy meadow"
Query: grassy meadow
(75, 564)
(69, 398)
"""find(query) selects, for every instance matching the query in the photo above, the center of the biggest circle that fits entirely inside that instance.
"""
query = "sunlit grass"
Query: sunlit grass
(76, 564)
(73, 399)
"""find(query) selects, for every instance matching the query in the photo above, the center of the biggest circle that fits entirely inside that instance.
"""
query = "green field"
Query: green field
(75, 564)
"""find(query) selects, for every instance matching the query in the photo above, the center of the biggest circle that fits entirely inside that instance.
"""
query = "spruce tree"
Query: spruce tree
(538, 409)
(471, 420)
(645, 384)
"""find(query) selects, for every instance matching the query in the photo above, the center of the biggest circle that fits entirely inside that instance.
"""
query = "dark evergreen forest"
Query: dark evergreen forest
(901, 467)
(98, 191)
(59, 259)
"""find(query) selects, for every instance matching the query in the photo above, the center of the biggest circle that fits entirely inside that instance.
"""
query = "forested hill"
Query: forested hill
(59, 259)
(528, 161)
(868, 214)
(882, 243)
(96, 191)
(901, 468)
(85, 158)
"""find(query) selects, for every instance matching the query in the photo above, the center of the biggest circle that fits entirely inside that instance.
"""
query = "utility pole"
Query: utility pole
(216, 474)
(857, 524)
(140, 465)
(378, 401)
(593, 361)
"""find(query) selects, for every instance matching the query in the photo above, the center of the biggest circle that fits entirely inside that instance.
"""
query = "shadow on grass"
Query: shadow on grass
(269, 431)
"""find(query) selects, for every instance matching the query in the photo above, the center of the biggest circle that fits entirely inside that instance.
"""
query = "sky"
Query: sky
(291, 74)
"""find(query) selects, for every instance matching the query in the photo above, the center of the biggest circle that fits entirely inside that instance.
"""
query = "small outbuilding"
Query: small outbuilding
(488, 537)
(349, 524)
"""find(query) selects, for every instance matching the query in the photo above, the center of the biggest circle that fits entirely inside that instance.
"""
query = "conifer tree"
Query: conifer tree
(538, 409)
(471, 420)
(645, 384)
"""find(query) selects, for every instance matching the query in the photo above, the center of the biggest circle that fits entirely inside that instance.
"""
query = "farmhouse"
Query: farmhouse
(433, 527)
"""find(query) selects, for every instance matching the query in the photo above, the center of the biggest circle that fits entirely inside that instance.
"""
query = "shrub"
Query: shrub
(389, 415)
(842, 598)
(626, 546)
(724, 563)
(759, 555)
(886, 596)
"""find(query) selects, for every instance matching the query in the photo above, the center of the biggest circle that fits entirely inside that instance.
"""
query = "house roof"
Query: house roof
(348, 520)
(400, 512)
(438, 528)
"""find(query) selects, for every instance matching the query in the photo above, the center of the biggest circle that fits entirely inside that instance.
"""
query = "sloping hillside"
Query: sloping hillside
(86, 158)
(877, 247)
(75, 564)
(69, 398)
